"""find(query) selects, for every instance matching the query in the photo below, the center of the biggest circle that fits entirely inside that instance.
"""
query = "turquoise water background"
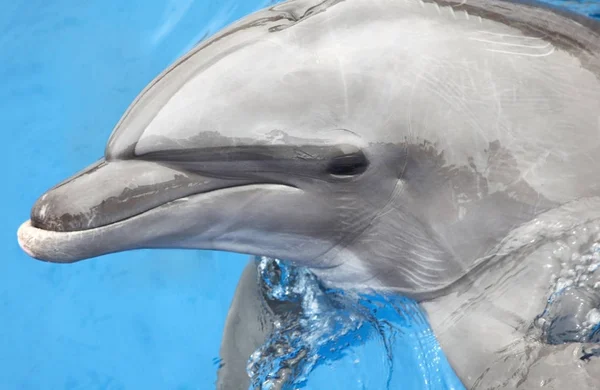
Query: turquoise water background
(135, 320)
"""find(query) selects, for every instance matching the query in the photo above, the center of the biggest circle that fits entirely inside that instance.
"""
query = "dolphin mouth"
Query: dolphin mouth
(83, 216)
(143, 230)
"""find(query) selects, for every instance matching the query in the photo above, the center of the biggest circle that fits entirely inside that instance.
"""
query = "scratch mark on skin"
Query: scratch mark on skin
(505, 43)
(392, 86)
(511, 44)
(452, 12)
(450, 93)
(469, 70)
(532, 168)
(342, 72)
(523, 54)
(502, 35)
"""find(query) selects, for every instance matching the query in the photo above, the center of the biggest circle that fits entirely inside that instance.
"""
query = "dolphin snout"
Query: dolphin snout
(111, 191)
(58, 210)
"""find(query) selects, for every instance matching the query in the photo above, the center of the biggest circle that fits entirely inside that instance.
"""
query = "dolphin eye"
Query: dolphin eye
(348, 164)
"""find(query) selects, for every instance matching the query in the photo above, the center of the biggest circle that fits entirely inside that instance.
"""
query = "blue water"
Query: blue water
(143, 319)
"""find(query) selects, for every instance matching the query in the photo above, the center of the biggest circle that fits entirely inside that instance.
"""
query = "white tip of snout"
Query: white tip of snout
(55, 247)
(24, 237)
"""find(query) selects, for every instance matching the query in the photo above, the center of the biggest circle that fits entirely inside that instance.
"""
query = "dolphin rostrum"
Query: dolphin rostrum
(428, 147)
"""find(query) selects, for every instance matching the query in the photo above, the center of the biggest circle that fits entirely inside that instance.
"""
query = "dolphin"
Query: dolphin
(431, 148)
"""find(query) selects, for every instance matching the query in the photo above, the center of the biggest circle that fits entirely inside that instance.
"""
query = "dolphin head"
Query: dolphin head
(263, 193)
(218, 153)
(285, 138)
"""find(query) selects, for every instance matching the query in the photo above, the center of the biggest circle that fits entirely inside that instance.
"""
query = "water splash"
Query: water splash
(572, 313)
(363, 340)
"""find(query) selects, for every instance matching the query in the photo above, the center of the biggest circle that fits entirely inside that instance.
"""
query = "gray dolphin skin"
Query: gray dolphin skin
(430, 148)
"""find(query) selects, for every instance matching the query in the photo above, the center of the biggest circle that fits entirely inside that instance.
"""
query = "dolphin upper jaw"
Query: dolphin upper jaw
(110, 191)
